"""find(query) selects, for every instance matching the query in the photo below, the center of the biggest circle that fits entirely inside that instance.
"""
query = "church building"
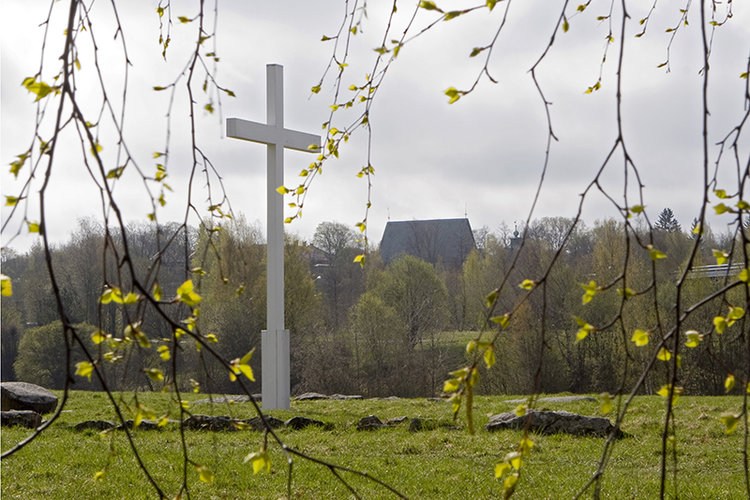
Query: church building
(445, 241)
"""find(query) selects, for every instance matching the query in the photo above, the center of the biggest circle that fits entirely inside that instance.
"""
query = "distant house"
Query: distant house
(448, 241)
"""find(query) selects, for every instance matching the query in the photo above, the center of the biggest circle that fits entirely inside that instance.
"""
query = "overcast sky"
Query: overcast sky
(481, 156)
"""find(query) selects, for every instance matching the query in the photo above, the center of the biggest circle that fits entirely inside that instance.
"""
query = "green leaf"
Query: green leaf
(205, 473)
(503, 320)
(721, 256)
(527, 284)
(721, 208)
(514, 459)
(33, 226)
(259, 461)
(664, 354)
(693, 338)
(84, 369)
(489, 356)
(6, 287)
(186, 295)
(184, 19)
(451, 385)
(729, 383)
(11, 201)
(591, 290)
(626, 293)
(566, 25)
(501, 469)
(640, 337)
(656, 254)
(454, 94)
(730, 422)
(163, 351)
(491, 4)
(720, 323)
(247, 357)
(115, 173)
(744, 275)
(452, 14)
(491, 298)
(636, 209)
(735, 313)
(606, 402)
(428, 5)
(154, 374)
(157, 291)
(98, 337)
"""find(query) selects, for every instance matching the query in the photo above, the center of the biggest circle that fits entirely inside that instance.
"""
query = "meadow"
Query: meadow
(443, 463)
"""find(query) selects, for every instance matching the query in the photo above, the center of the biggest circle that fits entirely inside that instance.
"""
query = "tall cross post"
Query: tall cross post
(275, 338)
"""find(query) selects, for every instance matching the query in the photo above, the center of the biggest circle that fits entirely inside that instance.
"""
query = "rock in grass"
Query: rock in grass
(26, 396)
(552, 422)
(256, 423)
(22, 418)
(298, 423)
(310, 396)
(345, 397)
(209, 423)
(96, 425)
(370, 423)
(396, 421)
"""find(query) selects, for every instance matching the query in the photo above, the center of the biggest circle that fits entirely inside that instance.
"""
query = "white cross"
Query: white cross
(275, 339)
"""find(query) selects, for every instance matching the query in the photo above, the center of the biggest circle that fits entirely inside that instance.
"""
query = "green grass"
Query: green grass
(437, 464)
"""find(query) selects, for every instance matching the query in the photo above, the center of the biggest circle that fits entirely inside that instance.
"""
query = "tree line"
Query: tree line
(380, 330)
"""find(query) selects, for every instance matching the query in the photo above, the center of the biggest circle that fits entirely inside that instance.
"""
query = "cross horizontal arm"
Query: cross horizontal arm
(265, 134)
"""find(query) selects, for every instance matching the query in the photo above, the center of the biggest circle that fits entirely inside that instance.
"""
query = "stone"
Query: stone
(96, 425)
(257, 424)
(437, 400)
(345, 397)
(396, 421)
(144, 425)
(555, 399)
(298, 423)
(390, 398)
(310, 396)
(26, 396)
(370, 423)
(209, 423)
(552, 422)
(23, 418)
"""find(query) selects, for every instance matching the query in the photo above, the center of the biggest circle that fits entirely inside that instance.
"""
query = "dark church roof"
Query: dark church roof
(448, 241)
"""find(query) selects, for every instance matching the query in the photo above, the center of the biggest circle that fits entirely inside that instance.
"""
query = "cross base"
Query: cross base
(275, 369)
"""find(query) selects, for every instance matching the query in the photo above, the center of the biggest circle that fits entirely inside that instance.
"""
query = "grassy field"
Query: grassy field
(434, 464)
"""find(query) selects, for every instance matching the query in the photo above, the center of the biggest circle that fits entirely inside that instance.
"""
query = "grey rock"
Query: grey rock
(310, 396)
(97, 425)
(209, 423)
(552, 422)
(396, 421)
(437, 400)
(23, 418)
(370, 423)
(144, 425)
(298, 423)
(555, 399)
(345, 396)
(390, 398)
(257, 424)
(26, 396)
